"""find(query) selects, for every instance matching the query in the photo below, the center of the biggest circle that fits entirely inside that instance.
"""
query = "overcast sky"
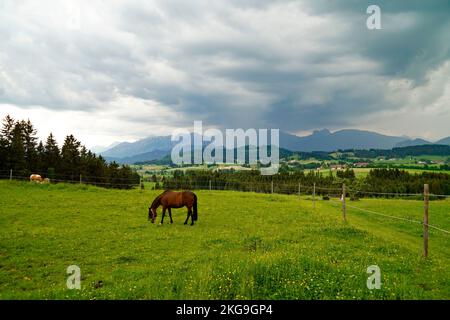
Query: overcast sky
(121, 70)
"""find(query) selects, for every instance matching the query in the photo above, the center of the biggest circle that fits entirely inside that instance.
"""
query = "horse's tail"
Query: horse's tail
(194, 216)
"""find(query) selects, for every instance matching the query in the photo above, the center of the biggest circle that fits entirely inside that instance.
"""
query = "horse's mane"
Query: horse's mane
(157, 199)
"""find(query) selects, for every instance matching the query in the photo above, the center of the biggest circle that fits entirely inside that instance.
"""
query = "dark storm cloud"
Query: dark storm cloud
(296, 65)
(415, 37)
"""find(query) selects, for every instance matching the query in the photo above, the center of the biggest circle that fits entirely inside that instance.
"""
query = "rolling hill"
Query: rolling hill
(130, 149)
(141, 157)
(444, 141)
(100, 149)
(410, 143)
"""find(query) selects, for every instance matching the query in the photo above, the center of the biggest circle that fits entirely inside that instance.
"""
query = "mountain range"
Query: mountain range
(100, 149)
(444, 141)
(153, 148)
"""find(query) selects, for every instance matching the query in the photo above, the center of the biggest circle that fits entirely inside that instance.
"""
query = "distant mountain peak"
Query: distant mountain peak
(321, 132)
(324, 140)
(100, 149)
(444, 141)
(412, 142)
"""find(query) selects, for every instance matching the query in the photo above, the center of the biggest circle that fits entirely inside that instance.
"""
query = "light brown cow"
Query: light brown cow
(35, 178)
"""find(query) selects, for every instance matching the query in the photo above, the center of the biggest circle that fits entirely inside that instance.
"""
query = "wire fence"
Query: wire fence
(269, 186)
(339, 203)
(119, 182)
(305, 192)
(331, 192)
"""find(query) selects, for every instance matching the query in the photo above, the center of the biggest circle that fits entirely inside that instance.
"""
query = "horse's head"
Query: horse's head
(151, 214)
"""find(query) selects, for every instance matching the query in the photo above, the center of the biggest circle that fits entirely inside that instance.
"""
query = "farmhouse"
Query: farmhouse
(361, 164)
(231, 168)
(338, 167)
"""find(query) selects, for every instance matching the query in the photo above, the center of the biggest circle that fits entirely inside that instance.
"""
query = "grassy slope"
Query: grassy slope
(245, 245)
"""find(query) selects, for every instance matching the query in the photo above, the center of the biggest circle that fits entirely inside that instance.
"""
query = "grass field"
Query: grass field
(244, 246)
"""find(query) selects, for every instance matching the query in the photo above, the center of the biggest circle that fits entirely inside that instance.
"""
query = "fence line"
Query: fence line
(399, 194)
(209, 184)
(77, 181)
(6, 173)
(338, 203)
(294, 186)
(439, 195)
(393, 217)
(385, 193)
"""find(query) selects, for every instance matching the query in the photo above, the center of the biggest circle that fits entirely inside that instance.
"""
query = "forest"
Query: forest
(23, 153)
(393, 181)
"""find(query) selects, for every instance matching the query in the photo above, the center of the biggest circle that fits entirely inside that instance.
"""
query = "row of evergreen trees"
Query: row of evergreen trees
(377, 183)
(21, 152)
(252, 180)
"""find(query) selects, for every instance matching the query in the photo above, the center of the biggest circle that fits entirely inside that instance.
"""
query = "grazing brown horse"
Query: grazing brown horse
(170, 199)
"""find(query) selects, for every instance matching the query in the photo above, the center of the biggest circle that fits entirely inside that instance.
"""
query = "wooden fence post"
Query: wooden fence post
(344, 208)
(314, 196)
(209, 185)
(271, 187)
(299, 190)
(426, 198)
(10, 175)
(80, 179)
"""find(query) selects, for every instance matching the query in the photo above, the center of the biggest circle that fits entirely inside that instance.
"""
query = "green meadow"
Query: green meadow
(243, 246)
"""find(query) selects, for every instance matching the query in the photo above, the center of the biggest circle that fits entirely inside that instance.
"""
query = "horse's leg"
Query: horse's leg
(163, 214)
(188, 214)
(192, 216)
(170, 215)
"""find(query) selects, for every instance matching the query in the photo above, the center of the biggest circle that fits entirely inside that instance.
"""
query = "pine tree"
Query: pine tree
(40, 158)
(5, 142)
(84, 162)
(99, 169)
(3, 153)
(7, 130)
(70, 157)
(17, 150)
(30, 144)
(51, 154)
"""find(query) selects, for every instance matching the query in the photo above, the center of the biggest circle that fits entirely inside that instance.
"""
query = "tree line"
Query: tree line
(21, 152)
(329, 184)
(402, 152)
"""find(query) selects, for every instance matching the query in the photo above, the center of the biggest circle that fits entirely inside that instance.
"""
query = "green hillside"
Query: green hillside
(244, 246)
